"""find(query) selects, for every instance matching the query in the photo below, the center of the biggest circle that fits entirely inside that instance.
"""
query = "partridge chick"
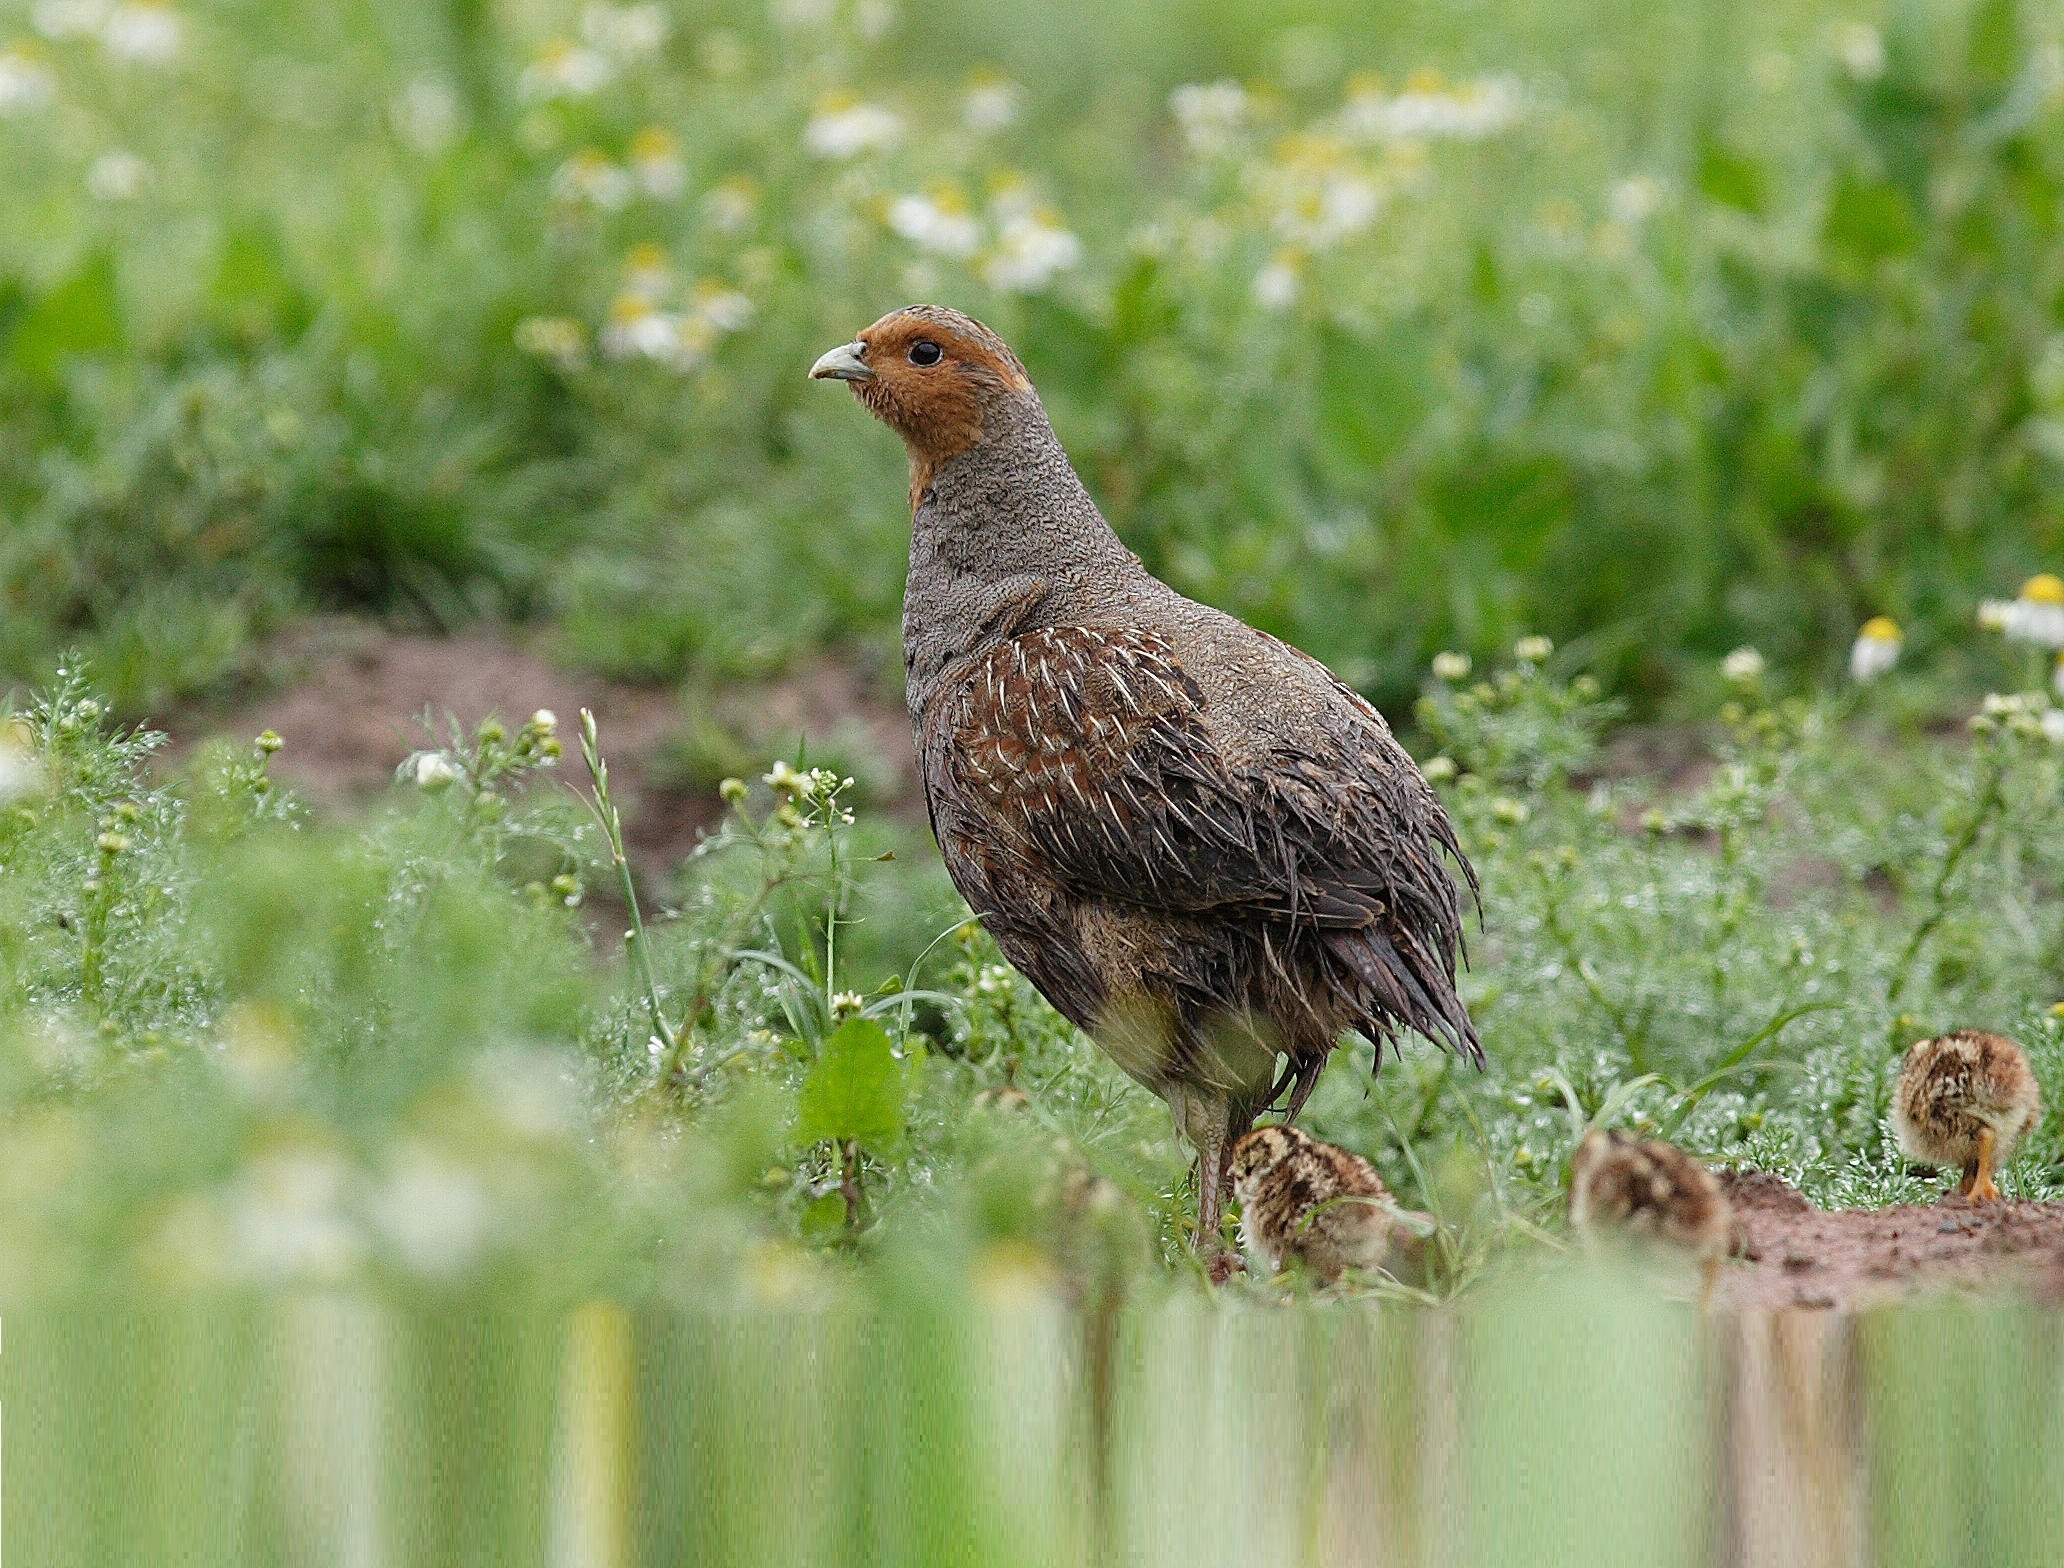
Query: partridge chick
(1315, 1202)
(1199, 844)
(1965, 1099)
(1651, 1192)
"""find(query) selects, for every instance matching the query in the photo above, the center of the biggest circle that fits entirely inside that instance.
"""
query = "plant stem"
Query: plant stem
(605, 813)
(849, 1184)
(1990, 798)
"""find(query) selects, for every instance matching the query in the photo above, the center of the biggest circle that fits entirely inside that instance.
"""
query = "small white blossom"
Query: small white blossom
(1279, 282)
(589, 178)
(1636, 199)
(434, 1212)
(562, 68)
(1030, 252)
(639, 329)
(846, 1004)
(784, 779)
(1993, 613)
(425, 114)
(559, 339)
(991, 104)
(724, 309)
(938, 221)
(434, 771)
(629, 32)
(544, 721)
(116, 176)
(1860, 48)
(1533, 650)
(1429, 107)
(2053, 726)
(289, 1217)
(846, 127)
(1211, 115)
(1743, 667)
(731, 204)
(656, 163)
(2037, 614)
(70, 18)
(147, 32)
(801, 16)
(1452, 667)
(1876, 649)
(20, 774)
(26, 83)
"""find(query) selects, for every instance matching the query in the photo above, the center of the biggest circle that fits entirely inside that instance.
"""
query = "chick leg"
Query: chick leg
(1983, 1189)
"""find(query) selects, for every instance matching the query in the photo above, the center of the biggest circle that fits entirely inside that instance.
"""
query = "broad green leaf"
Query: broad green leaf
(855, 1091)
(82, 315)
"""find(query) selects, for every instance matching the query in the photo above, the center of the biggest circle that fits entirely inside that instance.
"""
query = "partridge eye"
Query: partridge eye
(925, 352)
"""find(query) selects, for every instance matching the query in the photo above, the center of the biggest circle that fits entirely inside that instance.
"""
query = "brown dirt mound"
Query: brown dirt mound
(1795, 1255)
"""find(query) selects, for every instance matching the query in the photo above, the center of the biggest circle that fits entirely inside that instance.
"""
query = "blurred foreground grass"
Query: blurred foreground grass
(1573, 1419)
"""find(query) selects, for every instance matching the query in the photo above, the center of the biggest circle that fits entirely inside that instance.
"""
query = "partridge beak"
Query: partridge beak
(843, 364)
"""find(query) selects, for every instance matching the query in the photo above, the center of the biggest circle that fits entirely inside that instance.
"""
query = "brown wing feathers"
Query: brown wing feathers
(1084, 752)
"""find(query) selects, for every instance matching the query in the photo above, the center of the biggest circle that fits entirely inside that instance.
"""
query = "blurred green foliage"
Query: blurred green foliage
(1663, 327)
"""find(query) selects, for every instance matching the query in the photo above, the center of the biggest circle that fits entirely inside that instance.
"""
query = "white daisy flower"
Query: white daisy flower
(656, 163)
(723, 307)
(70, 18)
(425, 114)
(147, 32)
(1278, 284)
(1031, 250)
(1875, 650)
(846, 127)
(26, 83)
(559, 339)
(2037, 614)
(589, 178)
(1211, 114)
(938, 221)
(117, 176)
(562, 68)
(433, 771)
(639, 329)
(1636, 199)
(647, 272)
(991, 103)
(731, 204)
(1743, 667)
(1430, 107)
(629, 32)
(1860, 48)
(20, 774)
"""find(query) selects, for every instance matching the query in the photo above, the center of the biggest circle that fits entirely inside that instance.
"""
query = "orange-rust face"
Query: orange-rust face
(928, 373)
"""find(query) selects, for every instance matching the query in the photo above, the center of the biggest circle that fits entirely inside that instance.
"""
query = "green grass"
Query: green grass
(1743, 328)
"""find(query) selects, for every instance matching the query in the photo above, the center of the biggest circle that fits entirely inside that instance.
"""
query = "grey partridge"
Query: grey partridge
(1200, 845)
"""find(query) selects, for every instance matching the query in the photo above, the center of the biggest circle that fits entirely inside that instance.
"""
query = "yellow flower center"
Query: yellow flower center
(1880, 628)
(2043, 588)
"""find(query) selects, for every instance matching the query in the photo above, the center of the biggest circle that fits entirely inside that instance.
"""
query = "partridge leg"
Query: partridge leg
(1983, 1189)
(1212, 1173)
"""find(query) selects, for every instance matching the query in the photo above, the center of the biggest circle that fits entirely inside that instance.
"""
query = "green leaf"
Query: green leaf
(855, 1091)
(82, 315)
(1871, 219)
(1733, 178)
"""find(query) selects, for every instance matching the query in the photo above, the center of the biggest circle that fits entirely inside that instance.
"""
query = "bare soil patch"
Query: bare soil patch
(1795, 1255)
(349, 699)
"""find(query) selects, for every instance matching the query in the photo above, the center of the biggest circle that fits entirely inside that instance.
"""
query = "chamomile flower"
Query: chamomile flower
(656, 163)
(70, 18)
(590, 179)
(117, 176)
(1280, 281)
(939, 221)
(1743, 667)
(639, 329)
(723, 307)
(731, 204)
(433, 771)
(629, 32)
(1210, 114)
(845, 127)
(647, 271)
(1876, 649)
(1860, 48)
(146, 32)
(2037, 614)
(1431, 107)
(559, 339)
(562, 68)
(1452, 667)
(991, 103)
(1031, 250)
(26, 82)
(20, 773)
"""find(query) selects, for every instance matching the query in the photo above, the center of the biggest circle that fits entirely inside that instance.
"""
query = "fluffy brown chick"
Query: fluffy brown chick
(1315, 1202)
(1965, 1099)
(1651, 1192)
(1200, 845)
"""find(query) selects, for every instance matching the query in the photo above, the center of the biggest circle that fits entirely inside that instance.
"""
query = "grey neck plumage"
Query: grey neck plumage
(1004, 539)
